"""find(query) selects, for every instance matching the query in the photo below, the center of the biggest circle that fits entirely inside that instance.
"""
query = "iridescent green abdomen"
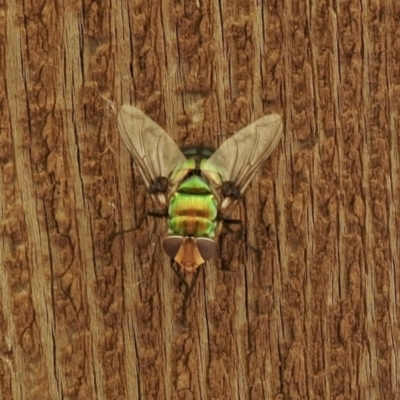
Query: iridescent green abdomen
(193, 209)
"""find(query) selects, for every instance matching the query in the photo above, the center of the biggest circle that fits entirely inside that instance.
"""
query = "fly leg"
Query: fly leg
(228, 222)
(188, 289)
(155, 214)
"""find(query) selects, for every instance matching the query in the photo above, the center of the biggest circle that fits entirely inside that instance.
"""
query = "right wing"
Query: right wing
(153, 150)
(230, 169)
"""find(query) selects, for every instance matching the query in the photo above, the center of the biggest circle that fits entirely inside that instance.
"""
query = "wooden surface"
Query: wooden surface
(84, 315)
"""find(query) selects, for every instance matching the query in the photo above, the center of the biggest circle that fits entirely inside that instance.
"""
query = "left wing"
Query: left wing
(153, 150)
(230, 169)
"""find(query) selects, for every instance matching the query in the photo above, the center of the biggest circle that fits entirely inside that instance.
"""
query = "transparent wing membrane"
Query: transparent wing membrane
(230, 169)
(153, 150)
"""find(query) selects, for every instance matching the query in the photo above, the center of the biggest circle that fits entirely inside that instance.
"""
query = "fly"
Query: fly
(196, 189)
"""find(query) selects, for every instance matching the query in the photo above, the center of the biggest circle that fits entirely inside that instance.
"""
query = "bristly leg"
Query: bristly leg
(188, 290)
(155, 214)
(228, 222)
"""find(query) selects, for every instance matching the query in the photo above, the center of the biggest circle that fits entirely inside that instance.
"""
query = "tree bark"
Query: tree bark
(85, 314)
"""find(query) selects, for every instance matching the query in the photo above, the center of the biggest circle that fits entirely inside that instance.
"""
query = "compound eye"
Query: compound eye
(172, 245)
(206, 247)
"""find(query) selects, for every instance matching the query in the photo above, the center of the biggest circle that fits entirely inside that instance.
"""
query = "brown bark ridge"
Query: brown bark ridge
(85, 315)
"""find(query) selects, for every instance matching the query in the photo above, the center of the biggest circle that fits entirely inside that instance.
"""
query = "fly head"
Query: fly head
(189, 252)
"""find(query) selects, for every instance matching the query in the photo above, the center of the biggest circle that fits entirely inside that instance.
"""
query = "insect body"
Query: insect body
(196, 189)
(193, 220)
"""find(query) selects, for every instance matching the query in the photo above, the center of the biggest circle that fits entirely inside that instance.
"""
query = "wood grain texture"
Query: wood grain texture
(86, 315)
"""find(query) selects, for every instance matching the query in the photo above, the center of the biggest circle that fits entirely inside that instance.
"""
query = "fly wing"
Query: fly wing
(153, 150)
(230, 169)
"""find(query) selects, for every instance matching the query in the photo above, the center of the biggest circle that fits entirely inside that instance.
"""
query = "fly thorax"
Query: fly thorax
(194, 184)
